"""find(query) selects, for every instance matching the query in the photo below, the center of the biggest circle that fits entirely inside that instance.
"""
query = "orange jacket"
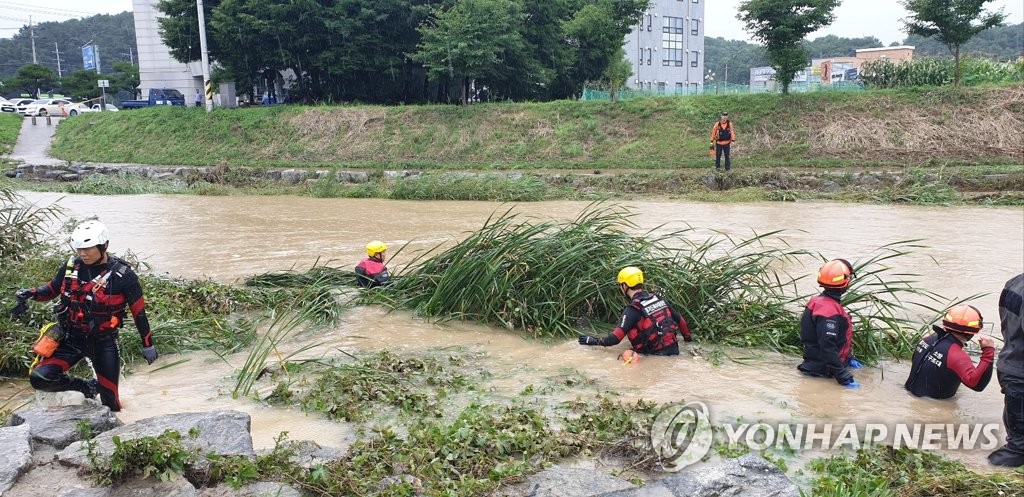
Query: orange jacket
(714, 133)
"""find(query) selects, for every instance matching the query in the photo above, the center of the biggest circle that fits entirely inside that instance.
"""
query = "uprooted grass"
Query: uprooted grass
(883, 471)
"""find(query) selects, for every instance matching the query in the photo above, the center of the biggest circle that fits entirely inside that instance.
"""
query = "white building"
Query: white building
(667, 48)
(157, 69)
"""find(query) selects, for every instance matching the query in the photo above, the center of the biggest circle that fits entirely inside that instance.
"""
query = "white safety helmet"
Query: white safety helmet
(89, 234)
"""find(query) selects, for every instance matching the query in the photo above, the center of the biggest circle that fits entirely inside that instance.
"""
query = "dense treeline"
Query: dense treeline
(407, 50)
(1002, 43)
(113, 34)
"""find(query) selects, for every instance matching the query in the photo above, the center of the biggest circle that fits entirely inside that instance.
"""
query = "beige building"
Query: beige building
(901, 53)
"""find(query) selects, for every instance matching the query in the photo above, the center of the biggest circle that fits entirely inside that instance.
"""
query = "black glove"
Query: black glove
(589, 340)
(22, 307)
(687, 338)
(149, 353)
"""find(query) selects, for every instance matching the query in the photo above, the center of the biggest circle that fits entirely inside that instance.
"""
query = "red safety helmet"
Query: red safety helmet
(963, 319)
(836, 274)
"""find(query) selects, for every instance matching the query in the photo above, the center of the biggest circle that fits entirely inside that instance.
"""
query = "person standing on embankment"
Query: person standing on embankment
(723, 134)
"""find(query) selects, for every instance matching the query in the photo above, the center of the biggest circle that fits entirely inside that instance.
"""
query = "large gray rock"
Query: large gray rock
(152, 487)
(559, 481)
(57, 481)
(747, 476)
(223, 432)
(258, 489)
(309, 454)
(87, 492)
(15, 454)
(58, 425)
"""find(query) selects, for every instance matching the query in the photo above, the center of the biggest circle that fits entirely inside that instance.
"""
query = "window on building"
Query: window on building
(694, 55)
(694, 26)
(661, 88)
(672, 41)
(679, 88)
(673, 25)
(641, 58)
(696, 1)
(694, 87)
(648, 56)
(648, 22)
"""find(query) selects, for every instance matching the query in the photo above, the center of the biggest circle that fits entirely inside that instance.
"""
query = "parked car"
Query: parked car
(109, 107)
(157, 96)
(21, 103)
(7, 105)
(57, 107)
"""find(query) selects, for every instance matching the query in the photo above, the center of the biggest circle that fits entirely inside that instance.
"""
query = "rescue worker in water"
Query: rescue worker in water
(371, 271)
(940, 363)
(649, 321)
(94, 289)
(826, 330)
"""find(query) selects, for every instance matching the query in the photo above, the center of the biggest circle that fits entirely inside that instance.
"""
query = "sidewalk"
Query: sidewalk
(34, 141)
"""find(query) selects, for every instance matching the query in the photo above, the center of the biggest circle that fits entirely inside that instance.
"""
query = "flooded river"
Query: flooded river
(970, 250)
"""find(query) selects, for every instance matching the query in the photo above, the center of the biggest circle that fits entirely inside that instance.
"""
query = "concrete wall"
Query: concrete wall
(895, 54)
(662, 56)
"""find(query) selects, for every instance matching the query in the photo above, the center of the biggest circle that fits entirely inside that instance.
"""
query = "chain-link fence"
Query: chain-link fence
(599, 94)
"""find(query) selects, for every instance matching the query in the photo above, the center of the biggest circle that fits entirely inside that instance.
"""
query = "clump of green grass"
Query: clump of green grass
(883, 471)
(550, 278)
(10, 127)
(413, 385)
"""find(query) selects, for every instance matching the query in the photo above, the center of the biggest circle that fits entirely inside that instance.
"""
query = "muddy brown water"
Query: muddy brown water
(970, 250)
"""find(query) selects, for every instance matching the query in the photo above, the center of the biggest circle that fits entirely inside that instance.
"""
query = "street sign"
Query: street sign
(89, 57)
(104, 83)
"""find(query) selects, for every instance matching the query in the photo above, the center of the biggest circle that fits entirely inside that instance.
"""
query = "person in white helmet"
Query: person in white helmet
(94, 288)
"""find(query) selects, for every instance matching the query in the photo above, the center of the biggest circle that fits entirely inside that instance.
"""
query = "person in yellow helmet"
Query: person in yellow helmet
(940, 363)
(371, 271)
(649, 321)
(826, 330)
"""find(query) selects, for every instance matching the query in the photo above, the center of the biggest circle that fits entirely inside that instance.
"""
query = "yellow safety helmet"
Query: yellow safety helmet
(375, 247)
(964, 319)
(631, 276)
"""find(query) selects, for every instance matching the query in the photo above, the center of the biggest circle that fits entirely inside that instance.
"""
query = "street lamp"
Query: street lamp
(709, 78)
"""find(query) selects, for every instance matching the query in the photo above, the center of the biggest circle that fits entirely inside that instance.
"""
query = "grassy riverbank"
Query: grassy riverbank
(976, 185)
(10, 125)
(923, 127)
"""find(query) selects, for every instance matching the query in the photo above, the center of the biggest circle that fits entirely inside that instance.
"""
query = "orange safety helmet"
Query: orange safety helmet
(963, 319)
(836, 274)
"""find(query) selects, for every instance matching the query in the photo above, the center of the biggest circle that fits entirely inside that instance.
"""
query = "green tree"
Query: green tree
(113, 34)
(32, 79)
(1003, 43)
(470, 40)
(82, 84)
(781, 26)
(124, 78)
(952, 22)
(617, 73)
(596, 33)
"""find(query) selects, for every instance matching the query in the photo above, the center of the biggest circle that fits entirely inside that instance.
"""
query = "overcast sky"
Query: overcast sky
(854, 18)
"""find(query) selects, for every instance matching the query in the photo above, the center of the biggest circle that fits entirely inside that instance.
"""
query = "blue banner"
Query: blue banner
(89, 57)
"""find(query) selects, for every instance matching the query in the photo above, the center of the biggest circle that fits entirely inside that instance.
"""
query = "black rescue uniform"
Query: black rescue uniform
(650, 323)
(1011, 373)
(91, 311)
(940, 365)
(826, 333)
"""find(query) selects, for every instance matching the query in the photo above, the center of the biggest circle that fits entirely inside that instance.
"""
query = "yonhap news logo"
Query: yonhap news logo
(682, 434)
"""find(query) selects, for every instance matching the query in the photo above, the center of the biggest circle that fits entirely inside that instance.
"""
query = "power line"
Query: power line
(28, 6)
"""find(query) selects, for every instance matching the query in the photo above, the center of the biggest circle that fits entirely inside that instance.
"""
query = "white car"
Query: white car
(57, 107)
(21, 103)
(109, 108)
(7, 105)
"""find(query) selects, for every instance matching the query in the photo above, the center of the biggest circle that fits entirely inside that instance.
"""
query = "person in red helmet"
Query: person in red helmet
(371, 271)
(94, 288)
(648, 321)
(940, 363)
(826, 330)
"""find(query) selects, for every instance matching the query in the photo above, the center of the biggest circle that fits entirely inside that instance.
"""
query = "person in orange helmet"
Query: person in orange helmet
(826, 330)
(940, 363)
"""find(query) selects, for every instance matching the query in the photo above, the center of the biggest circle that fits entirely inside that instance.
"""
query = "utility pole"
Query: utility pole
(32, 34)
(207, 84)
(56, 50)
(96, 50)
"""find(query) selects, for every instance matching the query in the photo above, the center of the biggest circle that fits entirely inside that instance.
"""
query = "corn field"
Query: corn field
(937, 72)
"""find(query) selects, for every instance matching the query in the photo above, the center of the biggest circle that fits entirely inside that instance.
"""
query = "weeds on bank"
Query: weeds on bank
(883, 471)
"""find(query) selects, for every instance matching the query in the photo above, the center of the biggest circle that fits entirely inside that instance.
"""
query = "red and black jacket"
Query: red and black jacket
(651, 323)
(93, 298)
(826, 333)
(371, 272)
(941, 365)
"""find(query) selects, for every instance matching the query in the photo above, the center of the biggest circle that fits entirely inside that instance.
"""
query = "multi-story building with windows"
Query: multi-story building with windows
(667, 48)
